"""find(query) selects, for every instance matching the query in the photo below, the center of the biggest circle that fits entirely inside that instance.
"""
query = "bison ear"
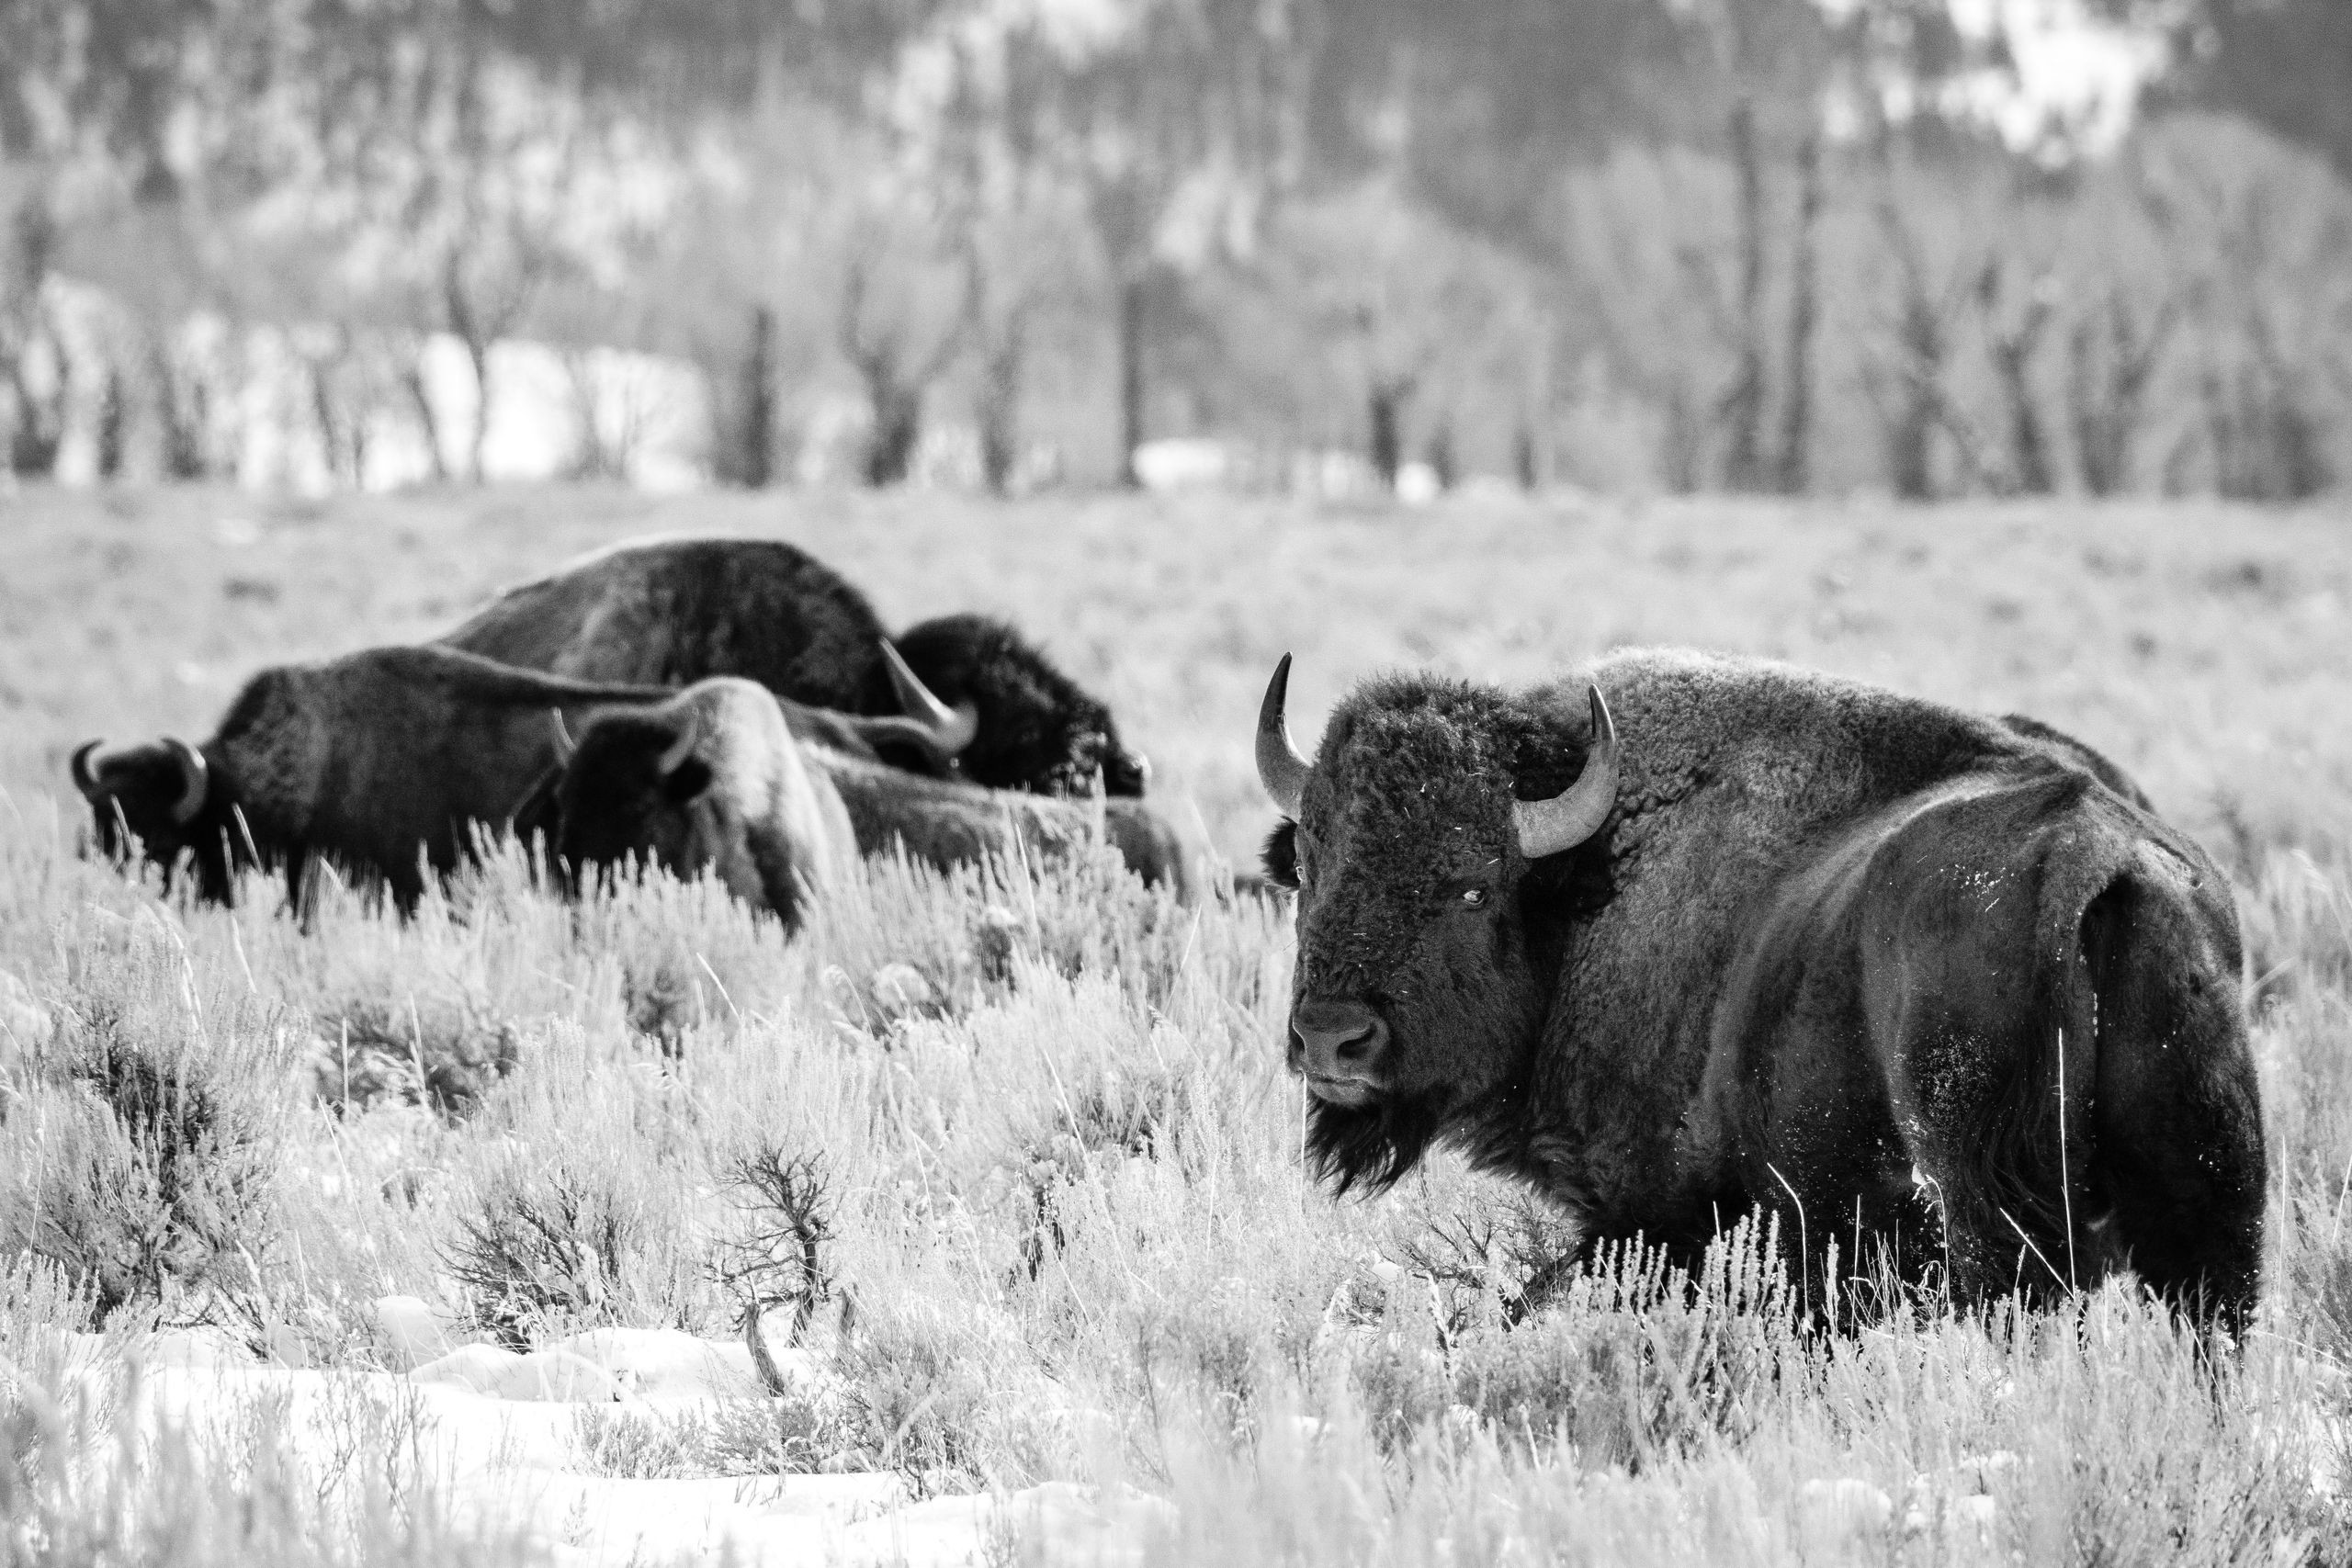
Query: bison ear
(1281, 854)
(686, 780)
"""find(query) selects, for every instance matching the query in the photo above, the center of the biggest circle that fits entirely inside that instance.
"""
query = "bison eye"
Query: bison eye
(1474, 897)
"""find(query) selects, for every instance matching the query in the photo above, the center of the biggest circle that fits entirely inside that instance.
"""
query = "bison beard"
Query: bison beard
(1370, 1147)
(1356, 1147)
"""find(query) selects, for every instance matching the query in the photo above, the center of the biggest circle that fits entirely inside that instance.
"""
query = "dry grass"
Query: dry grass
(1062, 1189)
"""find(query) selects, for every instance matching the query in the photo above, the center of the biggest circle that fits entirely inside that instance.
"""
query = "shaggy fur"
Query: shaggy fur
(670, 611)
(1834, 953)
(373, 763)
(774, 797)
(1038, 731)
(741, 805)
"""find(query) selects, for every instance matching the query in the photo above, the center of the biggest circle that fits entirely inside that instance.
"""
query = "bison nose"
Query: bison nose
(1336, 1042)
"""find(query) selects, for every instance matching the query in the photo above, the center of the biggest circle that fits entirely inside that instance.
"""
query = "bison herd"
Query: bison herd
(731, 708)
(1674, 941)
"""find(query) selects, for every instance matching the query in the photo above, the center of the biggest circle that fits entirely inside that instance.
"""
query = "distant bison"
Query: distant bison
(674, 611)
(943, 823)
(380, 762)
(713, 780)
(1890, 969)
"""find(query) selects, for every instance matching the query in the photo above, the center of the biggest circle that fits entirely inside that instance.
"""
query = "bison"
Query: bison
(672, 610)
(374, 762)
(714, 779)
(944, 823)
(711, 779)
(1767, 938)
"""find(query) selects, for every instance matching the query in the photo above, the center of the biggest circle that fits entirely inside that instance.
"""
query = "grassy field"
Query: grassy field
(1058, 1152)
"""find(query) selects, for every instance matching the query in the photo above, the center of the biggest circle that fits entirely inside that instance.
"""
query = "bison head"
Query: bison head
(1424, 957)
(1037, 730)
(162, 799)
(626, 789)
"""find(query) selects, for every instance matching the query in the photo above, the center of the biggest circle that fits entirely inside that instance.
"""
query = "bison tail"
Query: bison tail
(2178, 1169)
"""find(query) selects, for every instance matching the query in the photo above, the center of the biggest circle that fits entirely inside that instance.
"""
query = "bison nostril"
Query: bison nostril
(1336, 1041)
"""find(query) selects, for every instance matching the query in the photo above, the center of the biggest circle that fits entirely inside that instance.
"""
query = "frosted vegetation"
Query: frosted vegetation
(1031, 1124)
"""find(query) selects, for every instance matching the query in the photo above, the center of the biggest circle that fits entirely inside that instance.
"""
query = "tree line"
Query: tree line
(1727, 244)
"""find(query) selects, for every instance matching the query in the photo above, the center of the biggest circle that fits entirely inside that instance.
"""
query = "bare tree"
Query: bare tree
(341, 426)
(2013, 340)
(1021, 233)
(113, 422)
(1386, 295)
(897, 356)
(1180, 123)
(1907, 375)
(1003, 351)
(494, 267)
(183, 410)
(1741, 408)
(1128, 190)
(2266, 444)
(419, 398)
(743, 409)
(1792, 469)
(28, 340)
(2112, 352)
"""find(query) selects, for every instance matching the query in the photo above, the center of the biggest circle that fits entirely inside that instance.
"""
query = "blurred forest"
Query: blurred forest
(1783, 246)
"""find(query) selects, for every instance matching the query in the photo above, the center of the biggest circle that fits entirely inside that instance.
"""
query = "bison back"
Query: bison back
(2014, 1000)
(391, 758)
(948, 824)
(673, 612)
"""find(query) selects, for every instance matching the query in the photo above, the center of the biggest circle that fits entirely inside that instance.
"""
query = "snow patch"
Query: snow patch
(557, 1375)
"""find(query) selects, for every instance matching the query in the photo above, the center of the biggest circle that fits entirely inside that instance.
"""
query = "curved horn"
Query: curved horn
(564, 745)
(683, 746)
(1576, 814)
(85, 779)
(952, 729)
(1280, 767)
(896, 728)
(194, 776)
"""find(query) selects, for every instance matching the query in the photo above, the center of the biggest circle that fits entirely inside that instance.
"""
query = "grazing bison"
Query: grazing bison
(370, 762)
(1890, 969)
(715, 779)
(711, 779)
(672, 610)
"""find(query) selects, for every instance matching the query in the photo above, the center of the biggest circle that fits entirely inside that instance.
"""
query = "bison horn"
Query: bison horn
(564, 745)
(683, 746)
(952, 728)
(194, 775)
(84, 779)
(1280, 767)
(1576, 814)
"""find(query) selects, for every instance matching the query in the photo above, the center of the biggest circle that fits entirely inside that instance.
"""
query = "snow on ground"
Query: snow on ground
(498, 1436)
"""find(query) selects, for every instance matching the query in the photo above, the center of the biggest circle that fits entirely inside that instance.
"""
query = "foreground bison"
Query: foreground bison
(715, 780)
(373, 763)
(1889, 969)
(674, 611)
